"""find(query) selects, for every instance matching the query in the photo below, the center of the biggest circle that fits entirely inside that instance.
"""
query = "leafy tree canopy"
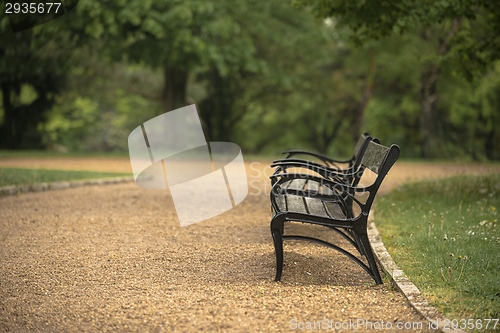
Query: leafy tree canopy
(475, 46)
(185, 34)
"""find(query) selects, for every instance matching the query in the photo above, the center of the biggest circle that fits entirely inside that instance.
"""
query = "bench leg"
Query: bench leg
(277, 229)
(358, 242)
(278, 249)
(370, 257)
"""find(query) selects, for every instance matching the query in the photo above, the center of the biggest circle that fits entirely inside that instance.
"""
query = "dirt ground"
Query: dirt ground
(113, 258)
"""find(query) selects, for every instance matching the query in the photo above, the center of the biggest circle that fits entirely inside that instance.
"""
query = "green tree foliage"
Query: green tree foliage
(299, 99)
(283, 40)
(467, 110)
(233, 58)
(174, 36)
(476, 41)
(35, 61)
(461, 34)
(102, 103)
(474, 114)
(263, 74)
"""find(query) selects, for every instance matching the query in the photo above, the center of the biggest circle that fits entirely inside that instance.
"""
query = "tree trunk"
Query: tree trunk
(7, 130)
(429, 131)
(430, 119)
(491, 146)
(217, 110)
(175, 88)
(20, 127)
(367, 94)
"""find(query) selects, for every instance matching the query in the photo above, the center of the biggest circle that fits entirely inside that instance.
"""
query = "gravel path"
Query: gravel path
(113, 258)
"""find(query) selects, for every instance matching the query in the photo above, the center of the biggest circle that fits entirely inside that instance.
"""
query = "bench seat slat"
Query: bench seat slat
(281, 201)
(296, 204)
(334, 210)
(325, 190)
(316, 207)
(296, 184)
(302, 184)
(312, 186)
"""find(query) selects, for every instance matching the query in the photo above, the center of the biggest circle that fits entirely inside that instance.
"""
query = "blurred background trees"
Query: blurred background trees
(268, 75)
(457, 37)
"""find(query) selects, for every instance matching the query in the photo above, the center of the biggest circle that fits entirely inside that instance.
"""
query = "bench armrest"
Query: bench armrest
(324, 158)
(318, 168)
(299, 160)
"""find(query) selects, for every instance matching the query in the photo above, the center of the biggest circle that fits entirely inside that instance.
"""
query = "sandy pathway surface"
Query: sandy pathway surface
(113, 258)
(258, 171)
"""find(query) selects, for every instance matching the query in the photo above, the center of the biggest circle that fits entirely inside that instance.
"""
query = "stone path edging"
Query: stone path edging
(403, 283)
(39, 187)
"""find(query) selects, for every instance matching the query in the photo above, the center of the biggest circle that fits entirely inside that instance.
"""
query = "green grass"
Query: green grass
(445, 235)
(51, 154)
(19, 176)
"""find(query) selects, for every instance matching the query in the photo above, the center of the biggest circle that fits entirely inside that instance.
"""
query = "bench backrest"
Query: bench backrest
(360, 148)
(359, 152)
(361, 142)
(378, 159)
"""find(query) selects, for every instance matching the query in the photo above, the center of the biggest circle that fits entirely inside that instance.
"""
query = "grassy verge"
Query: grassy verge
(445, 235)
(18, 176)
(52, 154)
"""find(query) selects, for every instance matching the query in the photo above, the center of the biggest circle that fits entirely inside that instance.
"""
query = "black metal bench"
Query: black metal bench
(338, 205)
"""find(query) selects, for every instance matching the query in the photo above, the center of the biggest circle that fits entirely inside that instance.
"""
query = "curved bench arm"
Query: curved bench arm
(324, 158)
(318, 168)
(299, 160)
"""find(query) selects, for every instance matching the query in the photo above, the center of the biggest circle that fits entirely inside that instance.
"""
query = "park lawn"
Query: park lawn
(445, 235)
(51, 154)
(20, 176)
